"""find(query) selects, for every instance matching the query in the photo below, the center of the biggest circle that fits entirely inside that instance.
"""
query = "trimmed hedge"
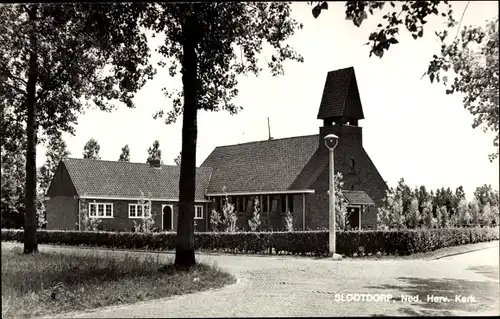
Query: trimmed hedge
(393, 242)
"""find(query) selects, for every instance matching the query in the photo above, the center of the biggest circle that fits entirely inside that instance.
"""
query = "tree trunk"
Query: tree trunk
(30, 244)
(184, 253)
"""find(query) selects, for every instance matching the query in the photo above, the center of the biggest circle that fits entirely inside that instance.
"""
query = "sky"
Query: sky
(412, 129)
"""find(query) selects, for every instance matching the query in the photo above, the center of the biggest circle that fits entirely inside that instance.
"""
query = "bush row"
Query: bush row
(394, 242)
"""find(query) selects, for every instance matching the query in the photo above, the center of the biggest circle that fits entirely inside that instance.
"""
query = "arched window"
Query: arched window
(351, 165)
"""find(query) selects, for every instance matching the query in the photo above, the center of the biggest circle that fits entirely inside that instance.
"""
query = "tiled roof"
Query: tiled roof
(123, 179)
(271, 165)
(341, 96)
(357, 197)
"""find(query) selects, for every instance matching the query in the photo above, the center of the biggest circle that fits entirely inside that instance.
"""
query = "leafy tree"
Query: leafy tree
(487, 215)
(87, 223)
(422, 196)
(177, 160)
(340, 202)
(495, 215)
(413, 216)
(412, 14)
(154, 152)
(458, 196)
(485, 194)
(390, 215)
(254, 222)
(405, 193)
(125, 155)
(427, 215)
(91, 149)
(56, 152)
(288, 221)
(51, 59)
(147, 223)
(463, 215)
(13, 179)
(475, 212)
(443, 217)
(471, 60)
(203, 41)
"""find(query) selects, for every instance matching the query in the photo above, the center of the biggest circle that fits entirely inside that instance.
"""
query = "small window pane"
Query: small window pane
(92, 210)
(139, 211)
(132, 210)
(100, 210)
(109, 210)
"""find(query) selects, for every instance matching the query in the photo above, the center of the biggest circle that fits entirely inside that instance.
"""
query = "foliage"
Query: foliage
(91, 149)
(177, 160)
(400, 242)
(412, 14)
(52, 59)
(56, 152)
(427, 216)
(154, 152)
(404, 192)
(390, 215)
(289, 221)
(443, 217)
(495, 215)
(224, 221)
(13, 177)
(210, 44)
(215, 220)
(471, 60)
(464, 216)
(87, 223)
(475, 212)
(413, 217)
(254, 222)
(146, 224)
(485, 194)
(125, 155)
(340, 203)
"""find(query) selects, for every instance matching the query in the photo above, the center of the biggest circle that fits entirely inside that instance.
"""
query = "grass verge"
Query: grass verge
(49, 283)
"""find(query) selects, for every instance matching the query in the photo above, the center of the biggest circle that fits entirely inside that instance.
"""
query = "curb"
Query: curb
(464, 252)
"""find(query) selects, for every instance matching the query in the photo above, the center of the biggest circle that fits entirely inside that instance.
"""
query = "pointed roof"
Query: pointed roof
(341, 96)
(100, 178)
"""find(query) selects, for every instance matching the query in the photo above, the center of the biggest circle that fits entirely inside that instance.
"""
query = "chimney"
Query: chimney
(155, 163)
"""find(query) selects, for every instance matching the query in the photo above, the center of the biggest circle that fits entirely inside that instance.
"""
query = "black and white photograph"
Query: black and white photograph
(249, 159)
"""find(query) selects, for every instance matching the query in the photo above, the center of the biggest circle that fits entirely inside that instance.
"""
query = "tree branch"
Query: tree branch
(16, 88)
(460, 24)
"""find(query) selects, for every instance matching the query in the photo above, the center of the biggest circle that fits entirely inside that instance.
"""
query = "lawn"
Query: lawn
(49, 283)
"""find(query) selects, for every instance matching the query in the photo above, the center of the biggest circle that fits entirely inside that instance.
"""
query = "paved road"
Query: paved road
(273, 286)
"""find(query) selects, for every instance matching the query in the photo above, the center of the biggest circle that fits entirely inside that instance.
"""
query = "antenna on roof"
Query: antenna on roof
(269, 129)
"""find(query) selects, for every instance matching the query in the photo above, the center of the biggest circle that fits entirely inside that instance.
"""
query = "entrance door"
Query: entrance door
(353, 217)
(167, 217)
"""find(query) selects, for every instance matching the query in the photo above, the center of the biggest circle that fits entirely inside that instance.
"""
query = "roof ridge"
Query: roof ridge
(342, 69)
(264, 141)
(110, 161)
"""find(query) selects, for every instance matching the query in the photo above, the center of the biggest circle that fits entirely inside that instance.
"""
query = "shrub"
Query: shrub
(289, 221)
(87, 223)
(254, 222)
(146, 224)
(400, 242)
